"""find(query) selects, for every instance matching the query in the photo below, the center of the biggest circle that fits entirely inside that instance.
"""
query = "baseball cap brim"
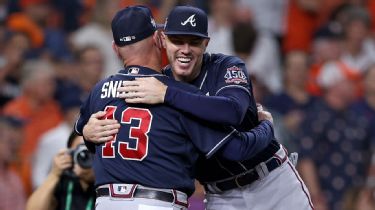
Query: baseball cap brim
(186, 33)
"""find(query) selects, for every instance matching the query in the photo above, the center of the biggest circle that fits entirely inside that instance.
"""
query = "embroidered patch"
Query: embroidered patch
(235, 75)
(133, 70)
(190, 20)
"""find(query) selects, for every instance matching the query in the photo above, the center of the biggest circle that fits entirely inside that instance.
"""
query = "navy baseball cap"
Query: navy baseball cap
(132, 24)
(186, 20)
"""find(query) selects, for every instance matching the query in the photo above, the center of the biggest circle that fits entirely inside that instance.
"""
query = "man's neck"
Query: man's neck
(152, 65)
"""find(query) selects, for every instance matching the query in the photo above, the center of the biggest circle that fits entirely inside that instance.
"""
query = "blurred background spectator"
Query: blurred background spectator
(12, 194)
(54, 139)
(290, 105)
(333, 142)
(311, 64)
(37, 107)
(69, 185)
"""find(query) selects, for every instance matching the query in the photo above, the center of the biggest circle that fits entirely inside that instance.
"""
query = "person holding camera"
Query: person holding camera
(70, 183)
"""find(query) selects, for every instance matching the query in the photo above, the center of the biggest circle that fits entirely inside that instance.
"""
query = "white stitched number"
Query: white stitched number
(139, 133)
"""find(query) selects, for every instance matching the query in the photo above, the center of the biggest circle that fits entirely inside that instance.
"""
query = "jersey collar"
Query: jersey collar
(138, 70)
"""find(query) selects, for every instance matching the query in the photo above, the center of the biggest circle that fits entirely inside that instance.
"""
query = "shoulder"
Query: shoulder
(223, 63)
(222, 59)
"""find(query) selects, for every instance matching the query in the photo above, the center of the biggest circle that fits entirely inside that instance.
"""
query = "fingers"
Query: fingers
(259, 107)
(135, 94)
(98, 131)
(104, 139)
(264, 115)
(108, 127)
(148, 90)
(136, 100)
(61, 161)
(131, 83)
(108, 123)
(98, 115)
(105, 133)
(129, 88)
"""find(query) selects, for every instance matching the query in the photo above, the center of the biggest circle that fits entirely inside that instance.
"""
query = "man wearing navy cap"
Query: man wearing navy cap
(149, 163)
(266, 181)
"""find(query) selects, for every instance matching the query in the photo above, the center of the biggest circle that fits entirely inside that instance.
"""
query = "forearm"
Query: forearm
(309, 174)
(248, 144)
(43, 197)
(228, 110)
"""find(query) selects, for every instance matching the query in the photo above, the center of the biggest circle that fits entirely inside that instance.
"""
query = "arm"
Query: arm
(308, 172)
(98, 125)
(248, 144)
(231, 103)
(98, 129)
(228, 142)
(43, 197)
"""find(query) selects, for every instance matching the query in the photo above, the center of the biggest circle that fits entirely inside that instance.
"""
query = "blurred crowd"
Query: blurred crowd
(311, 62)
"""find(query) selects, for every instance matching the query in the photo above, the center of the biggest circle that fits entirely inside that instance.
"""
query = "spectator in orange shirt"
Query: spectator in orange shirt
(37, 108)
(303, 18)
(12, 195)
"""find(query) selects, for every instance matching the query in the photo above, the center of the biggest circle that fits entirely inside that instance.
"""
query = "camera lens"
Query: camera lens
(83, 157)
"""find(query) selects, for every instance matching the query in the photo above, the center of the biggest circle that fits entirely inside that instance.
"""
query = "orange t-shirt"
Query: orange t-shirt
(300, 26)
(37, 122)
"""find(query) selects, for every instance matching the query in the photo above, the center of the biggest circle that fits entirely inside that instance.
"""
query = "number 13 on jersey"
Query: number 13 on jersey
(138, 133)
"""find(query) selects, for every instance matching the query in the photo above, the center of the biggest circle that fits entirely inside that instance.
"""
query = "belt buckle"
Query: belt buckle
(122, 190)
(178, 201)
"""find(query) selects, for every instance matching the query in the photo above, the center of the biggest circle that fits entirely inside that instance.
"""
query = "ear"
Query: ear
(206, 42)
(115, 49)
(157, 39)
(163, 39)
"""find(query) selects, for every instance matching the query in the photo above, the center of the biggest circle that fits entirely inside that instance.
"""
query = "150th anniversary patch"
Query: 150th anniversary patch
(235, 75)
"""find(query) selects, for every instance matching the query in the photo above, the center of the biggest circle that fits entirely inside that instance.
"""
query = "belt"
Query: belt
(135, 191)
(258, 172)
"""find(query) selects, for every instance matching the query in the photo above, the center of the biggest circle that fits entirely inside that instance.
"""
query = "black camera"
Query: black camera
(82, 156)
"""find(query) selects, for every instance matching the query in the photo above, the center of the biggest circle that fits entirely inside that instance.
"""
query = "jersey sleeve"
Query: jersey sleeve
(248, 144)
(233, 95)
(207, 137)
(84, 116)
(232, 104)
(232, 73)
(229, 143)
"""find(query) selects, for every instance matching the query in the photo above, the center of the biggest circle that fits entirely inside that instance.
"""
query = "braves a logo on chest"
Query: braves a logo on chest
(235, 75)
(190, 20)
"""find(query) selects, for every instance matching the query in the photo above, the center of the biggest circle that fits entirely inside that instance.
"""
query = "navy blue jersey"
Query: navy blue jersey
(226, 76)
(222, 73)
(156, 145)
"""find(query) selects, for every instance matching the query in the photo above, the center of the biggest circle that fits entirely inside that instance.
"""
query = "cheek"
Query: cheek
(171, 53)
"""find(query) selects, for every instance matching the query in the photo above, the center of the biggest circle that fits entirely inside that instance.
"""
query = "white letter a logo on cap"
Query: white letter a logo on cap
(190, 20)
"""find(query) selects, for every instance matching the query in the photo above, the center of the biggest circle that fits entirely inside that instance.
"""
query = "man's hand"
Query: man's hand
(264, 115)
(98, 130)
(146, 90)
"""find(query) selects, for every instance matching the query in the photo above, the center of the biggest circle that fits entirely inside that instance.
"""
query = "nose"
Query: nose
(185, 48)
